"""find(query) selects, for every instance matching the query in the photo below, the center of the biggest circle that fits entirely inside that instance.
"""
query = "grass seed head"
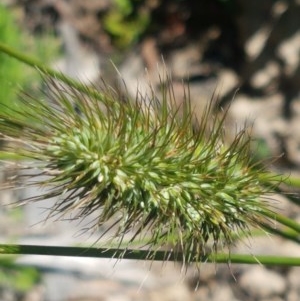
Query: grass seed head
(143, 165)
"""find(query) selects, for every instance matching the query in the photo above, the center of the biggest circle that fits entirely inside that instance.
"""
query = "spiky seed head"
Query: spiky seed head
(143, 165)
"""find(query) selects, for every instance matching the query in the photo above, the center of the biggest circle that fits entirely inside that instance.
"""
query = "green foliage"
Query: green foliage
(13, 75)
(261, 150)
(16, 277)
(126, 22)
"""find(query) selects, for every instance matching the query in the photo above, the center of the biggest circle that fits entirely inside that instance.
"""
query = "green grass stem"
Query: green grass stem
(33, 62)
(283, 220)
(10, 249)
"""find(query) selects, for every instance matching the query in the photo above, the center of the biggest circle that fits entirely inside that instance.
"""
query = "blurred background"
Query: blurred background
(248, 52)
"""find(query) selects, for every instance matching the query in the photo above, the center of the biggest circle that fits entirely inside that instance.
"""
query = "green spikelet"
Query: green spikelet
(142, 165)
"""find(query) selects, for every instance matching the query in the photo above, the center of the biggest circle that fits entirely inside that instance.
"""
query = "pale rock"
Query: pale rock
(294, 278)
(292, 295)
(289, 51)
(202, 293)
(257, 42)
(222, 292)
(170, 293)
(79, 62)
(272, 299)
(260, 282)
(263, 77)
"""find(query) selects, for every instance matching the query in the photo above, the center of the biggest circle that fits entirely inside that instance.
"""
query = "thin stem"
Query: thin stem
(30, 61)
(290, 235)
(283, 220)
(287, 234)
(5, 155)
(143, 254)
(292, 181)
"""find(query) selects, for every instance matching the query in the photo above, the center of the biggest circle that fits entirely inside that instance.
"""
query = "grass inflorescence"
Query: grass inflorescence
(146, 167)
